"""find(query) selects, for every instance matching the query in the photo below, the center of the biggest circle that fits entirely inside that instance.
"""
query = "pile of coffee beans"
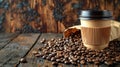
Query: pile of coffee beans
(72, 51)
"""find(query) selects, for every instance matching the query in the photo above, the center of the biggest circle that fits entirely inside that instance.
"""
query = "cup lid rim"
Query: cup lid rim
(95, 14)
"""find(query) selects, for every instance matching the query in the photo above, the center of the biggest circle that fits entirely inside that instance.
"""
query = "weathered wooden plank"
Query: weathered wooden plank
(19, 47)
(35, 62)
(5, 38)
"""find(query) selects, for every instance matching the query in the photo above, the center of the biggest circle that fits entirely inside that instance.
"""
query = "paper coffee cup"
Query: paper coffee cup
(95, 28)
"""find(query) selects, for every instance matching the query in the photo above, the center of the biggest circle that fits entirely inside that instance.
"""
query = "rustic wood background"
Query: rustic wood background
(48, 15)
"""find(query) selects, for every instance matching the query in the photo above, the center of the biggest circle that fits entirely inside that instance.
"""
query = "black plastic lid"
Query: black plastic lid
(95, 14)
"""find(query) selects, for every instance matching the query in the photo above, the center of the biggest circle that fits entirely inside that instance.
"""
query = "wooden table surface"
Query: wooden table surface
(14, 46)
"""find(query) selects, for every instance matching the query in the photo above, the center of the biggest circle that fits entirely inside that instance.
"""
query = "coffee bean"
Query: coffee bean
(60, 39)
(78, 61)
(82, 58)
(88, 56)
(52, 39)
(74, 63)
(44, 56)
(34, 52)
(82, 62)
(55, 63)
(89, 60)
(97, 53)
(38, 55)
(23, 60)
(92, 53)
(93, 60)
(105, 58)
(96, 61)
(101, 51)
(45, 45)
(58, 60)
(66, 56)
(74, 59)
(83, 48)
(100, 54)
(66, 62)
(53, 59)
(43, 40)
(108, 53)
(94, 56)
(52, 54)
(113, 59)
(117, 59)
(109, 62)
(82, 51)
(48, 58)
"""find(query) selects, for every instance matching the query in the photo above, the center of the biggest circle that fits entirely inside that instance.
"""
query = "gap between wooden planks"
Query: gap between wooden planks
(6, 38)
(17, 48)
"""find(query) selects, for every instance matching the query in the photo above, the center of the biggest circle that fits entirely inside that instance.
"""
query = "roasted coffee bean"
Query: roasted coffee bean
(83, 48)
(88, 56)
(108, 53)
(52, 39)
(93, 55)
(52, 54)
(45, 45)
(66, 56)
(96, 61)
(55, 63)
(109, 62)
(100, 54)
(53, 59)
(113, 59)
(102, 51)
(23, 60)
(66, 62)
(38, 55)
(58, 60)
(48, 58)
(82, 58)
(117, 59)
(44, 56)
(89, 60)
(97, 53)
(43, 40)
(82, 62)
(78, 61)
(35, 52)
(74, 63)
(82, 51)
(105, 58)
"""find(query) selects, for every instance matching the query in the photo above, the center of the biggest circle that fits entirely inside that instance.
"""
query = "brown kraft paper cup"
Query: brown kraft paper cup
(95, 30)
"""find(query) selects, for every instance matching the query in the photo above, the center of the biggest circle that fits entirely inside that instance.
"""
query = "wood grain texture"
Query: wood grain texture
(11, 54)
(6, 38)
